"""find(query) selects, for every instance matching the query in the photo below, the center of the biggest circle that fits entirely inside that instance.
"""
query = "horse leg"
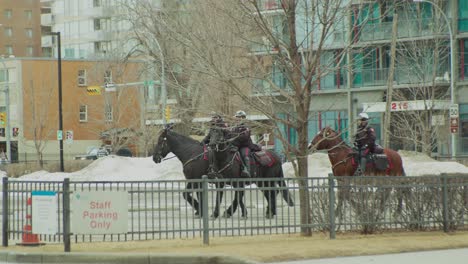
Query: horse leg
(233, 207)
(188, 197)
(242, 205)
(219, 199)
(270, 196)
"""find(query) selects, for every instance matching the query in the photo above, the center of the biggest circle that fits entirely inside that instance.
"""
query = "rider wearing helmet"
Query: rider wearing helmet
(365, 138)
(240, 137)
(216, 122)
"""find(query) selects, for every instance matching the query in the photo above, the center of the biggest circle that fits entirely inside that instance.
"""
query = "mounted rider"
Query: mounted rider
(240, 137)
(216, 122)
(365, 139)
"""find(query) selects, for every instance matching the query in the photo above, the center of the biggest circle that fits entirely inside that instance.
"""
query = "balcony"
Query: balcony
(47, 19)
(402, 75)
(406, 29)
(269, 5)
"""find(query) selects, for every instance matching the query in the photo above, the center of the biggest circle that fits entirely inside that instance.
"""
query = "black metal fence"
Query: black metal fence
(158, 210)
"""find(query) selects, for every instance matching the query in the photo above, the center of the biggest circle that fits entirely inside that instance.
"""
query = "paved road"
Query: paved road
(451, 256)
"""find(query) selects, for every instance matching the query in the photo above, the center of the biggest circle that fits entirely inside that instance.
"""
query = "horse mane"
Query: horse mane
(183, 138)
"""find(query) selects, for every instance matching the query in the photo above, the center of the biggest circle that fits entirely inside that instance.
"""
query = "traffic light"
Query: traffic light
(167, 113)
(2, 118)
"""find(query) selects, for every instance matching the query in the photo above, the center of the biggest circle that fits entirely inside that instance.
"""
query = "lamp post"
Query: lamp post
(163, 83)
(6, 90)
(452, 70)
(59, 61)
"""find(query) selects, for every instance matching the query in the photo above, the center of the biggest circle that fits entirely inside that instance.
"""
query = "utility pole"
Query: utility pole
(390, 82)
(59, 61)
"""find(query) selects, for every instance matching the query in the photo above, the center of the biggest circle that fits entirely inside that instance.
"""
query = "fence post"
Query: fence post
(331, 204)
(206, 233)
(5, 212)
(66, 214)
(445, 201)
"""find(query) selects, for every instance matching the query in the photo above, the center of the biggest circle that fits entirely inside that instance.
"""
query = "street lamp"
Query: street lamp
(59, 60)
(452, 70)
(6, 90)
(163, 83)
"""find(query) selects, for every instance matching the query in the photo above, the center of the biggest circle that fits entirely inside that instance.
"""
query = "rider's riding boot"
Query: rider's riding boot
(363, 164)
(246, 171)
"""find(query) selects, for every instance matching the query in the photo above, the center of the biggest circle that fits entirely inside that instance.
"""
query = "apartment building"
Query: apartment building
(359, 82)
(89, 28)
(20, 28)
(91, 115)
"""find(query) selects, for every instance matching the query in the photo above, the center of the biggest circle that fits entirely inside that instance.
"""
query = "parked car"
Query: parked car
(93, 154)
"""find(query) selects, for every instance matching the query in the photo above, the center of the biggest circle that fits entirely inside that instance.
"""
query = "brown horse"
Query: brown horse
(342, 156)
(342, 159)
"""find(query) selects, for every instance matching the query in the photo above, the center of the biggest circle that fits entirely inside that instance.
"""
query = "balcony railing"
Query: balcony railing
(406, 29)
(269, 5)
(402, 75)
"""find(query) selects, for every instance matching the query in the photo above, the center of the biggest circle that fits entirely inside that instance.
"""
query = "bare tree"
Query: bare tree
(39, 128)
(423, 72)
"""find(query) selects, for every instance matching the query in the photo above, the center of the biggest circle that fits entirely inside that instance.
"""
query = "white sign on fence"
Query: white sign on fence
(104, 212)
(44, 212)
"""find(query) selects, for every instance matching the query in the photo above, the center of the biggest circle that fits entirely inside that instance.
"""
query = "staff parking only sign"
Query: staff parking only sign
(99, 212)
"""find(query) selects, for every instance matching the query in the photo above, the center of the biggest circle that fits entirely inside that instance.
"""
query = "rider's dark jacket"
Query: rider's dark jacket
(240, 136)
(220, 124)
(365, 136)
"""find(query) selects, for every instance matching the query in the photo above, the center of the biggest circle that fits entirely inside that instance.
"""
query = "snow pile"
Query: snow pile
(115, 168)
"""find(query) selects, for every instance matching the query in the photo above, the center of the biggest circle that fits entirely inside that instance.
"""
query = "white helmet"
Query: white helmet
(241, 113)
(364, 116)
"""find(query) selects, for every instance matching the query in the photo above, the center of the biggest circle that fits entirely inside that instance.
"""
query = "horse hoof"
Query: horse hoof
(269, 216)
(243, 217)
(213, 217)
(226, 215)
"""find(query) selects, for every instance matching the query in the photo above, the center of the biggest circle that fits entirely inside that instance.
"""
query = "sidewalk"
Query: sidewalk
(261, 248)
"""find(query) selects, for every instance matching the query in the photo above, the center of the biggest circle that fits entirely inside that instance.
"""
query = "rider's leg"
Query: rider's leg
(212, 160)
(245, 155)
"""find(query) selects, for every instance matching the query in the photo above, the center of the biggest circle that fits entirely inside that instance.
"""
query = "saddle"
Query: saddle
(376, 161)
(264, 158)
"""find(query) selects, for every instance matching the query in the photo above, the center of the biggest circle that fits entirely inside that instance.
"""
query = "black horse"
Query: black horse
(229, 162)
(191, 154)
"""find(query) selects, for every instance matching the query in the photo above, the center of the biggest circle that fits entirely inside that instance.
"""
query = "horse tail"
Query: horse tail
(284, 189)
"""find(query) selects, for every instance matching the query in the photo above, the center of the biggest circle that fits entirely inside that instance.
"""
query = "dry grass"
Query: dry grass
(16, 170)
(277, 247)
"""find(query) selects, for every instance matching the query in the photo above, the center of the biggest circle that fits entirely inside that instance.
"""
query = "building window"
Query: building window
(108, 113)
(29, 32)
(8, 32)
(3, 78)
(81, 77)
(30, 50)
(9, 49)
(7, 13)
(108, 76)
(97, 24)
(97, 3)
(83, 113)
(69, 53)
(28, 14)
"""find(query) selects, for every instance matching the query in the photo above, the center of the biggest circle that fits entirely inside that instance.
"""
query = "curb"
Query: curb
(117, 258)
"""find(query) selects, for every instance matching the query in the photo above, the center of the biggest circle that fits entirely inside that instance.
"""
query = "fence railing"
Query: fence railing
(158, 209)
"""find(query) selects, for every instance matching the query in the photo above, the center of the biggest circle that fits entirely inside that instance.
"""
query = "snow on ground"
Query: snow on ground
(115, 168)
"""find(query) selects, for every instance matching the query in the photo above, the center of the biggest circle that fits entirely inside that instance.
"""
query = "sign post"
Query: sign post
(454, 118)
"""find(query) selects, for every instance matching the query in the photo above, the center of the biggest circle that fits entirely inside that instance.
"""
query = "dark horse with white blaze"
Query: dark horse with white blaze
(263, 165)
(191, 154)
(344, 162)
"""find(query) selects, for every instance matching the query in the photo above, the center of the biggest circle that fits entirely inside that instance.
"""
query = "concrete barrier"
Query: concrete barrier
(118, 258)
